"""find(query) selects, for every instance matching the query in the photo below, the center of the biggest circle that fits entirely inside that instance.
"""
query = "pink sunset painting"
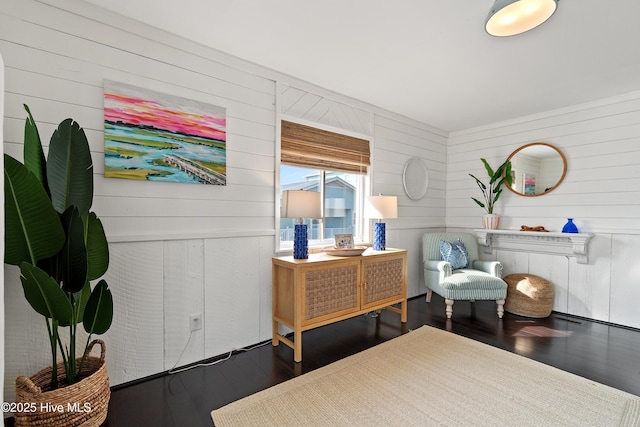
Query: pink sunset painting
(159, 137)
(529, 184)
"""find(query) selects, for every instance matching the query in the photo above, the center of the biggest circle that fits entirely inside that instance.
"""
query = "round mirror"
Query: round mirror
(415, 178)
(537, 169)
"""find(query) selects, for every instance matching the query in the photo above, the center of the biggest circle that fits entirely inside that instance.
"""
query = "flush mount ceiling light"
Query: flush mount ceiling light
(511, 17)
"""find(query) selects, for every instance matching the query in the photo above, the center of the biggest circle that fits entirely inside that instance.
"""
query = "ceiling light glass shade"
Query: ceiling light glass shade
(511, 17)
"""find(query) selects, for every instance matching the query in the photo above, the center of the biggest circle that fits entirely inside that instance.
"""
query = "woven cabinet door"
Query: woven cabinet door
(330, 291)
(383, 280)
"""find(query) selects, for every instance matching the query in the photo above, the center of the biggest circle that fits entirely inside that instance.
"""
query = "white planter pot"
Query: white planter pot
(491, 221)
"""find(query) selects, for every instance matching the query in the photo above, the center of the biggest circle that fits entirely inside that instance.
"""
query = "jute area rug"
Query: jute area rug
(430, 377)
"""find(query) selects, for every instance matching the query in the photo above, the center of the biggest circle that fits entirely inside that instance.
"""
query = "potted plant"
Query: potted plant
(60, 247)
(491, 192)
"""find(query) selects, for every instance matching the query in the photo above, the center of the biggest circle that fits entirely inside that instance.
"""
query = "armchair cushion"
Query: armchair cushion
(454, 253)
(464, 279)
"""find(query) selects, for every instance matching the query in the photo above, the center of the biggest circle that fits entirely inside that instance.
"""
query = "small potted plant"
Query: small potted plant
(60, 247)
(491, 192)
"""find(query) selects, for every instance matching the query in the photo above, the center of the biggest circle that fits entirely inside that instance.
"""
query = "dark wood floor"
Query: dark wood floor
(603, 353)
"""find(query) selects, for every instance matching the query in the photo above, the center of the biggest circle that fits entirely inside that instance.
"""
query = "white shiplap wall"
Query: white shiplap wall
(1, 231)
(601, 191)
(309, 106)
(396, 141)
(181, 249)
(160, 235)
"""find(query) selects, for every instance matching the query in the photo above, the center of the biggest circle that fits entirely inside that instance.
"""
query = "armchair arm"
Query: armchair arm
(492, 267)
(441, 266)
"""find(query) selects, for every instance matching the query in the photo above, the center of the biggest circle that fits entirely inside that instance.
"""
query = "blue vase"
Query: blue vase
(569, 227)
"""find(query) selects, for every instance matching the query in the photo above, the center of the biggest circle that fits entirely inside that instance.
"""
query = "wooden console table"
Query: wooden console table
(324, 289)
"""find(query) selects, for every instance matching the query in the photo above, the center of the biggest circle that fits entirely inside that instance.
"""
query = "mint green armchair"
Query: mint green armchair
(481, 280)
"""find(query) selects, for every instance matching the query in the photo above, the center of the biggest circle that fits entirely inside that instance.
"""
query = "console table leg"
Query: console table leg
(274, 340)
(297, 346)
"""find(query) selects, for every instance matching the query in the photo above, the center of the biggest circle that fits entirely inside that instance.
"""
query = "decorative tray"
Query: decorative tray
(355, 251)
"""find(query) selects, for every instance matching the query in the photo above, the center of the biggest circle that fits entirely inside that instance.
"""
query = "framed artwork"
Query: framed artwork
(158, 137)
(344, 241)
(529, 180)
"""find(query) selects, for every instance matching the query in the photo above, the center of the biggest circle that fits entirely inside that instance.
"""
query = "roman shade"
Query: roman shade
(309, 147)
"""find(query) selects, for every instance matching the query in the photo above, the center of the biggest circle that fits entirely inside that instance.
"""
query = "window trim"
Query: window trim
(362, 191)
(361, 226)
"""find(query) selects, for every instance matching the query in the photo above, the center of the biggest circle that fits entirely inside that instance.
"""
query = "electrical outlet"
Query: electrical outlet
(195, 322)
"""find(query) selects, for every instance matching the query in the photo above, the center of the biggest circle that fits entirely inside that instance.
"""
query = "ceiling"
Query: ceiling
(425, 59)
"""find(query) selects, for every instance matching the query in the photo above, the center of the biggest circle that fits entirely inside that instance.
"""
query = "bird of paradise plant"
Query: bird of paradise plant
(491, 192)
(58, 243)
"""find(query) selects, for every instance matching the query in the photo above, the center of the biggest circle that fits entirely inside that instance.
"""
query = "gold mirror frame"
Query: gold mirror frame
(529, 179)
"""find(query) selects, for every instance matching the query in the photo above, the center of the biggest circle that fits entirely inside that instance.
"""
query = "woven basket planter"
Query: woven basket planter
(84, 403)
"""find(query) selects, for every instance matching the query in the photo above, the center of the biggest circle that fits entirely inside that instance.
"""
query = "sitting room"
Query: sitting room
(469, 191)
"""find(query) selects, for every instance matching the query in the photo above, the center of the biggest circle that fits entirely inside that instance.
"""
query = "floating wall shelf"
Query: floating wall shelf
(553, 243)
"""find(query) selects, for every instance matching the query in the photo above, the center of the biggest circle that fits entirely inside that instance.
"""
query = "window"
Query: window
(332, 164)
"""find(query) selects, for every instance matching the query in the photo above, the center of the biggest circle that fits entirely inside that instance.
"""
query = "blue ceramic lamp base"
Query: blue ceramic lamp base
(300, 245)
(379, 238)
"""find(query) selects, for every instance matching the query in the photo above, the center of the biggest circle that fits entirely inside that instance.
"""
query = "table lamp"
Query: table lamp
(300, 204)
(381, 207)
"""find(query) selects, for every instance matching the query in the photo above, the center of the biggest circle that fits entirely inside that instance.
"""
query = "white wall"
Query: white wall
(182, 249)
(396, 141)
(1, 230)
(601, 191)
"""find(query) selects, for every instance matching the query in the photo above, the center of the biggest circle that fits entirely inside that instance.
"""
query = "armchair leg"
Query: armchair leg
(429, 293)
(449, 303)
(500, 303)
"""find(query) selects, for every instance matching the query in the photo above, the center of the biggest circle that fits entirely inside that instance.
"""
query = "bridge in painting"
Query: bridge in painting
(195, 170)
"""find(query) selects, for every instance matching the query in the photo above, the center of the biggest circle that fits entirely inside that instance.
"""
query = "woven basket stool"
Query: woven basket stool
(528, 295)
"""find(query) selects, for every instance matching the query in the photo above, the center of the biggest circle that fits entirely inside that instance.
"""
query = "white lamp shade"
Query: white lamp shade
(380, 207)
(511, 17)
(300, 204)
